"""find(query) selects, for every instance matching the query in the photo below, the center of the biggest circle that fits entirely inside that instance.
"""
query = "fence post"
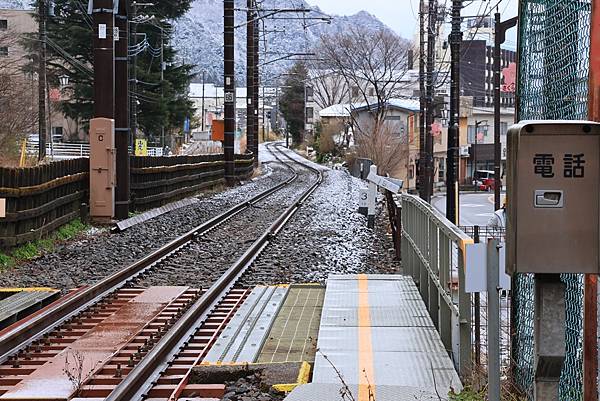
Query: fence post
(464, 311)
(477, 311)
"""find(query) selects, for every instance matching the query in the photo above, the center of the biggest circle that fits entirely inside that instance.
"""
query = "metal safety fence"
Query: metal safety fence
(554, 42)
(433, 253)
(481, 234)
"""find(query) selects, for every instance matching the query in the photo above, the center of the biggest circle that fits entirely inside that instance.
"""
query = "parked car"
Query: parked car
(484, 180)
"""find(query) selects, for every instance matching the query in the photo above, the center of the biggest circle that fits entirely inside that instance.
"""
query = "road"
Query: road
(476, 209)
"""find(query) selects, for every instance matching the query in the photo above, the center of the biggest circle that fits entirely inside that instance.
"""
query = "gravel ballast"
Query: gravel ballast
(327, 235)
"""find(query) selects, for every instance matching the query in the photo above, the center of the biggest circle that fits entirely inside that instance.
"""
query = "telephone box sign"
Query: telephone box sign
(553, 197)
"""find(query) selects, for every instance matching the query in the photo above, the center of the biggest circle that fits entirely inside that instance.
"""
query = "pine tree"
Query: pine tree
(292, 101)
(70, 53)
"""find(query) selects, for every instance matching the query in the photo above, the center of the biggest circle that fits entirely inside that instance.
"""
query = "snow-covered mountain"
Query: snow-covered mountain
(199, 34)
(15, 4)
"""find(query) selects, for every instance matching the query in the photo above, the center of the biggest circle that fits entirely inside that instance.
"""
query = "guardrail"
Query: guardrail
(433, 253)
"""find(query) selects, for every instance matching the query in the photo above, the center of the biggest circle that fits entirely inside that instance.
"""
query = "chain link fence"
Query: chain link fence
(554, 40)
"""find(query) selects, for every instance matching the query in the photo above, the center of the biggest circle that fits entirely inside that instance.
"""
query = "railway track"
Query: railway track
(171, 328)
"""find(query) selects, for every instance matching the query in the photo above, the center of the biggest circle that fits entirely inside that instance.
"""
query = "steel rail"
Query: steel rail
(21, 336)
(146, 373)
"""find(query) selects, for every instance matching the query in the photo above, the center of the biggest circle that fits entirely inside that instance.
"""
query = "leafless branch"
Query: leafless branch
(345, 392)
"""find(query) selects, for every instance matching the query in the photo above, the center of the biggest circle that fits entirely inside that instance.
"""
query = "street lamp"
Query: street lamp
(64, 81)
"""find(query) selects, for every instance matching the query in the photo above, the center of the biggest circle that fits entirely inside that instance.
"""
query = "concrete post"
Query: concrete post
(549, 335)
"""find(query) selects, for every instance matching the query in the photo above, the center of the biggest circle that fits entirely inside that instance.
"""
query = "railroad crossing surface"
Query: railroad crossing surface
(147, 331)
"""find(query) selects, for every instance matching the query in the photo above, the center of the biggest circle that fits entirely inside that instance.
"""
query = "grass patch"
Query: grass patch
(467, 394)
(36, 248)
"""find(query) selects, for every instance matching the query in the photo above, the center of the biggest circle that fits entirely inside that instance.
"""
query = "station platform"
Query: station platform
(377, 341)
(366, 335)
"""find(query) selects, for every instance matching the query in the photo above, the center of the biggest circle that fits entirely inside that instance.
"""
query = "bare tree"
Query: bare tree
(383, 143)
(371, 63)
(18, 99)
(373, 66)
(329, 88)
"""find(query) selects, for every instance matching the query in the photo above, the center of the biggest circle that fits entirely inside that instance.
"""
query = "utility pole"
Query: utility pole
(42, 15)
(500, 29)
(422, 103)
(203, 110)
(264, 116)
(229, 78)
(162, 79)
(133, 76)
(122, 132)
(431, 39)
(452, 155)
(256, 81)
(104, 55)
(250, 134)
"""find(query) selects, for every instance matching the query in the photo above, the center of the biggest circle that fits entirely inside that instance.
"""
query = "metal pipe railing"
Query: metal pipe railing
(433, 254)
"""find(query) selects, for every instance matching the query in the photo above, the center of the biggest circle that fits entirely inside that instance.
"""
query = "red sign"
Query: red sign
(436, 129)
(510, 78)
(55, 95)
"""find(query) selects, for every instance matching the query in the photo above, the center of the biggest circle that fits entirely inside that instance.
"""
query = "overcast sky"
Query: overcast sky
(402, 15)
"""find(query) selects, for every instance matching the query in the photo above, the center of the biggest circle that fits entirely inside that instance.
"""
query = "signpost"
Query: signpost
(141, 147)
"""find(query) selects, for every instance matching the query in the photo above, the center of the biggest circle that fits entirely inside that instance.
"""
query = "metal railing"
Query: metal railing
(74, 150)
(433, 253)
(62, 150)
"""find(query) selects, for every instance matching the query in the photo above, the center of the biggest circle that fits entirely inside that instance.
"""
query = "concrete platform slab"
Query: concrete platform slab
(331, 392)
(375, 331)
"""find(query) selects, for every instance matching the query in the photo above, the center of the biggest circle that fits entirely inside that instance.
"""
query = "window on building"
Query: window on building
(503, 128)
(354, 92)
(309, 115)
(371, 91)
(309, 92)
(441, 169)
(3, 24)
(3, 51)
(471, 134)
